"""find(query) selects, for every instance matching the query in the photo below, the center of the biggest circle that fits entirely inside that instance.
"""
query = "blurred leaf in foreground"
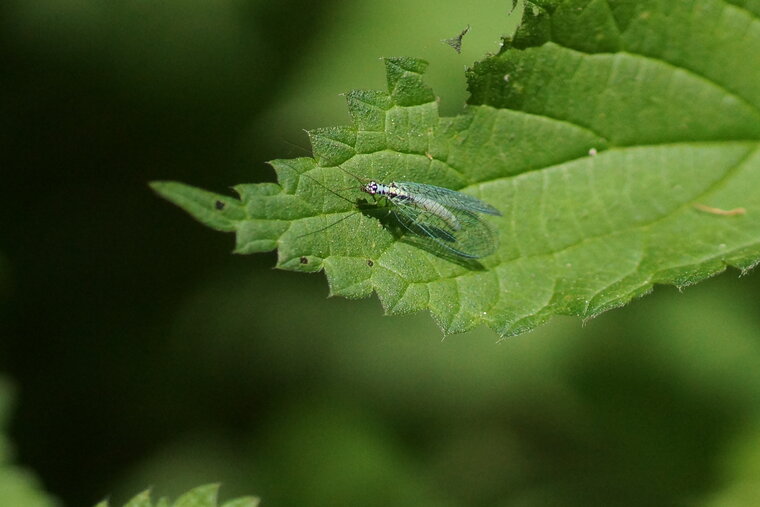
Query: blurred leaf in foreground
(202, 496)
(603, 132)
(17, 486)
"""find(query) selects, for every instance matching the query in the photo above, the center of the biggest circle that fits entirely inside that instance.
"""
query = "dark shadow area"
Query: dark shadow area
(98, 100)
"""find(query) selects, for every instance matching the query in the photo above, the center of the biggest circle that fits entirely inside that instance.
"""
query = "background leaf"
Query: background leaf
(596, 132)
(17, 485)
(202, 496)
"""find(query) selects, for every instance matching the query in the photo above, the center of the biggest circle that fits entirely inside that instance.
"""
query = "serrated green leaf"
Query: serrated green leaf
(619, 139)
(201, 496)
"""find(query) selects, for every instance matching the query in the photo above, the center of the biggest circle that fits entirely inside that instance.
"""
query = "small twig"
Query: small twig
(718, 211)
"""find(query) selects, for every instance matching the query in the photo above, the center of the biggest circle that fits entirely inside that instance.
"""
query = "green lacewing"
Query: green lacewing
(448, 217)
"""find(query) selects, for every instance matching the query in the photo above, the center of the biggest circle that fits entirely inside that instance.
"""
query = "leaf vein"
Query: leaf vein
(716, 185)
(691, 71)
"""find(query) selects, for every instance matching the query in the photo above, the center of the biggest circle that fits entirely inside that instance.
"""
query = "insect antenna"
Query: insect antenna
(334, 192)
(327, 226)
(300, 150)
(360, 180)
(328, 188)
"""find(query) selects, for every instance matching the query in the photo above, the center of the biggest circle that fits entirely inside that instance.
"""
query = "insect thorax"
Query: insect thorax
(372, 187)
(391, 190)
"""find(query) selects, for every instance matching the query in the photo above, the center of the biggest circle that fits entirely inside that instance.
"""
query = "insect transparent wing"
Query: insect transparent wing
(474, 238)
(449, 198)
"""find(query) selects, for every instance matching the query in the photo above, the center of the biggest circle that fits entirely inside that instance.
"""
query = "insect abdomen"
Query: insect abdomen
(424, 203)
(436, 209)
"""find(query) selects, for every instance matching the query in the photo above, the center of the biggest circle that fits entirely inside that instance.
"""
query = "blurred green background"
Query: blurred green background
(143, 354)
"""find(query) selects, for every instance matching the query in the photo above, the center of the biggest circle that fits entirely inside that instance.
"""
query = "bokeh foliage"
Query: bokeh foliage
(201, 496)
(18, 486)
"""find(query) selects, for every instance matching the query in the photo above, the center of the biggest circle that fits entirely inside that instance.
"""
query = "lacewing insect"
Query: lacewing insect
(448, 217)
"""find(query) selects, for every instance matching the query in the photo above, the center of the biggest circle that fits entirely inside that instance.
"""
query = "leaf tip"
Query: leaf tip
(405, 84)
(214, 210)
(160, 186)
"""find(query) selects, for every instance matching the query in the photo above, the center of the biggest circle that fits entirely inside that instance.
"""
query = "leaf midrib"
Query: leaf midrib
(713, 187)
